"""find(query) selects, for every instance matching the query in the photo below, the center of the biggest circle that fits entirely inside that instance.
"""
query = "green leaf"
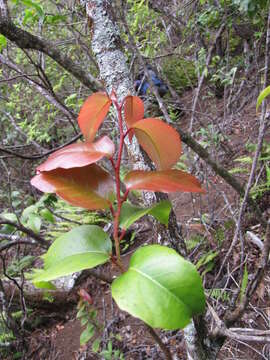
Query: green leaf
(34, 223)
(130, 214)
(27, 212)
(7, 229)
(35, 6)
(44, 285)
(83, 247)
(244, 283)
(3, 42)
(244, 160)
(95, 346)
(87, 334)
(47, 215)
(84, 320)
(262, 96)
(160, 287)
(81, 312)
(267, 169)
(206, 258)
(9, 217)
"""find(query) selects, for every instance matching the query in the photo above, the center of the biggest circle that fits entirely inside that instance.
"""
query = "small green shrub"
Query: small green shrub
(181, 73)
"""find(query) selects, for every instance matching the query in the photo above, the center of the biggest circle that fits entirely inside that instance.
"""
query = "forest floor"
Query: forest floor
(59, 338)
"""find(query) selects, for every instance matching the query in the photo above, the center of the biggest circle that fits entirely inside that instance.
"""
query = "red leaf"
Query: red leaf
(88, 187)
(85, 296)
(92, 114)
(164, 181)
(79, 155)
(133, 111)
(160, 140)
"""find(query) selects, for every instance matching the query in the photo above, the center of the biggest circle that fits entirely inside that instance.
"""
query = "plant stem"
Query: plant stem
(158, 340)
(120, 199)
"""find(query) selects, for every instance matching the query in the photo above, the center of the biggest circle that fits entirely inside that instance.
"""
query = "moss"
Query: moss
(181, 73)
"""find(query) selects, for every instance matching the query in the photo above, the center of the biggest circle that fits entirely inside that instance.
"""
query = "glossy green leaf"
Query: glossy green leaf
(164, 181)
(130, 213)
(160, 287)
(89, 187)
(93, 113)
(79, 155)
(263, 94)
(160, 140)
(83, 247)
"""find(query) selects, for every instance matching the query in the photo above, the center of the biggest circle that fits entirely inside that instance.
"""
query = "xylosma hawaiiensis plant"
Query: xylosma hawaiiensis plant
(159, 287)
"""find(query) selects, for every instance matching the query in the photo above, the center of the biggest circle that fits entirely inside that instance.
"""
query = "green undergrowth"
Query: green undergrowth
(181, 73)
(70, 217)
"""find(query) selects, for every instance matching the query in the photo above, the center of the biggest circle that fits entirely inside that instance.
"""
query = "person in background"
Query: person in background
(142, 84)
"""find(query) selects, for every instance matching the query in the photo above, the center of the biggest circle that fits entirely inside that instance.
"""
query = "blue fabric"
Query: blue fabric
(144, 86)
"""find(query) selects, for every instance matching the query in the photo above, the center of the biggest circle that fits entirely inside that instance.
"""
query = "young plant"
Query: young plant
(160, 287)
(88, 317)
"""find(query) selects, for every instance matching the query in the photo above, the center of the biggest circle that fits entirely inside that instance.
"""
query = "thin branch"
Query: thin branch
(238, 334)
(19, 130)
(202, 77)
(25, 40)
(26, 231)
(40, 156)
(14, 242)
(254, 282)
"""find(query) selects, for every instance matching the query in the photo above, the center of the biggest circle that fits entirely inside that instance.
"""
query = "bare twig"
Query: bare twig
(39, 156)
(26, 231)
(14, 241)
(202, 77)
(254, 282)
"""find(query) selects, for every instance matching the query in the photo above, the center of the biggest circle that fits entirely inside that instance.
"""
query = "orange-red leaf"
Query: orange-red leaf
(79, 155)
(164, 181)
(92, 114)
(160, 140)
(88, 187)
(133, 111)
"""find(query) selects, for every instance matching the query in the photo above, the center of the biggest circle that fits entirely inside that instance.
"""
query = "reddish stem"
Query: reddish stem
(120, 200)
(123, 233)
(127, 132)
